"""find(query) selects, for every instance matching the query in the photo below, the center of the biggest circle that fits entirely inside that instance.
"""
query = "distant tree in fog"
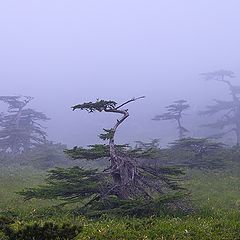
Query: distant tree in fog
(175, 112)
(229, 111)
(19, 126)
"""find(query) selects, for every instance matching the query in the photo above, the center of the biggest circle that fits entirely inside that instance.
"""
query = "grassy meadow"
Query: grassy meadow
(214, 194)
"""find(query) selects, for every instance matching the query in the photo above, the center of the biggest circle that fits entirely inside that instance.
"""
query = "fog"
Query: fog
(68, 52)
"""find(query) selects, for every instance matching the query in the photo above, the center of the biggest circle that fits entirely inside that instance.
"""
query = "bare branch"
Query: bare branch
(131, 100)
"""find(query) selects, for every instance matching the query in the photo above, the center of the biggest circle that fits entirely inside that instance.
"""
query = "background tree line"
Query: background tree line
(126, 179)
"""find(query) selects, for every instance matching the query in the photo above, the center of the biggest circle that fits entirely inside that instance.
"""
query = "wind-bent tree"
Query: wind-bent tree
(19, 127)
(229, 110)
(126, 180)
(175, 112)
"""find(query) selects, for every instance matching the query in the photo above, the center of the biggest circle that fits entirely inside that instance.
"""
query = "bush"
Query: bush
(36, 231)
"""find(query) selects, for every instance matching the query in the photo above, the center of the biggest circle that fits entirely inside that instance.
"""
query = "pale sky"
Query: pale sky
(67, 52)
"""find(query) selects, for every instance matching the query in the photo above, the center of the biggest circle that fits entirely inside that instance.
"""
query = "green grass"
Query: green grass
(216, 196)
(14, 179)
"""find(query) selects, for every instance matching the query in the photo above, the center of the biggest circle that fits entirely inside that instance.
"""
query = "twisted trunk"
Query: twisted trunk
(123, 168)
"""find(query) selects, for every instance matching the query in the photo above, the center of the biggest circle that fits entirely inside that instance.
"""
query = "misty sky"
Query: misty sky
(67, 52)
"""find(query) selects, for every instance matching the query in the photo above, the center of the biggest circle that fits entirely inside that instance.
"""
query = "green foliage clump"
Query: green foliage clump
(99, 105)
(36, 231)
(93, 152)
(99, 151)
(70, 185)
(87, 187)
(108, 134)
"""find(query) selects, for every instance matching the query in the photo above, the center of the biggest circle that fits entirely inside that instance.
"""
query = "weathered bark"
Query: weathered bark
(123, 168)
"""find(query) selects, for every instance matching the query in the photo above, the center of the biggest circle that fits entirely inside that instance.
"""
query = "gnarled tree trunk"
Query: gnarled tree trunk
(123, 168)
